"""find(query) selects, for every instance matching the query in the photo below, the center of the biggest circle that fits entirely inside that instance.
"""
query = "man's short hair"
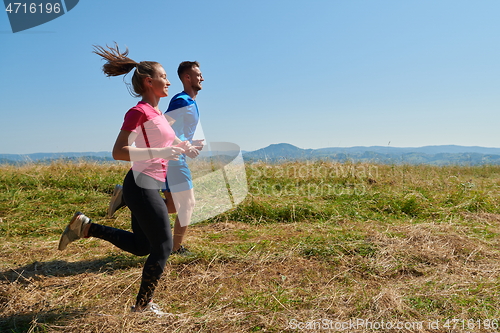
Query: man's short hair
(185, 66)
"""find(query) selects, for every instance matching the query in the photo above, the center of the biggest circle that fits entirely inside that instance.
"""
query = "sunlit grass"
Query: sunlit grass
(311, 241)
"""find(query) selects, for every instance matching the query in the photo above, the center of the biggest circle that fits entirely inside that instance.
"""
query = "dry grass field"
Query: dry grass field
(315, 247)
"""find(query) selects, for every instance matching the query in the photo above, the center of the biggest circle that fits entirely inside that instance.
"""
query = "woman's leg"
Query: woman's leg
(134, 242)
(150, 216)
(151, 233)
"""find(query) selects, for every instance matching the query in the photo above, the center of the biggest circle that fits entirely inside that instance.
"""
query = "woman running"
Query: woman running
(146, 126)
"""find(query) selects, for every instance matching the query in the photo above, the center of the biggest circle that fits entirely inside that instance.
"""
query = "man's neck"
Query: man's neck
(191, 92)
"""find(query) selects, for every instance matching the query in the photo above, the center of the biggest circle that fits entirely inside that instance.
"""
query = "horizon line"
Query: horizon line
(281, 143)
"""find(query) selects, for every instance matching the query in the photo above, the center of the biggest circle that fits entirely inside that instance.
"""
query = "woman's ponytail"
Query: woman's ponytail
(117, 63)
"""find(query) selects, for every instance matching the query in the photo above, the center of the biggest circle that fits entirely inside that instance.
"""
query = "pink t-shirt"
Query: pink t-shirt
(143, 118)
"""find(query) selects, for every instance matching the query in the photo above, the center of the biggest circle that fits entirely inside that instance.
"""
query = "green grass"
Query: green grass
(311, 241)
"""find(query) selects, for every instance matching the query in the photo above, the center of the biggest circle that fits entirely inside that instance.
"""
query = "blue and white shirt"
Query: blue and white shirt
(184, 110)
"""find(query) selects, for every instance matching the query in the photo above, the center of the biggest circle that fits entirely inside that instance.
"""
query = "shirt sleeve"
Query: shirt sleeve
(176, 103)
(133, 119)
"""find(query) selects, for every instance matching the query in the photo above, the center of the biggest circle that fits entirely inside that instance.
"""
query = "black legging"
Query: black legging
(151, 231)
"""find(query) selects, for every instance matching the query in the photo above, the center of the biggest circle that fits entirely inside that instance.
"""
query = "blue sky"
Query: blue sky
(320, 73)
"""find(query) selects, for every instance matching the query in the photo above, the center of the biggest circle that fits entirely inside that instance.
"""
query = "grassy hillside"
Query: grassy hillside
(314, 247)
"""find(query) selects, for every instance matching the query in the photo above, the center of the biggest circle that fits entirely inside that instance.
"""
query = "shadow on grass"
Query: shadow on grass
(61, 268)
(36, 322)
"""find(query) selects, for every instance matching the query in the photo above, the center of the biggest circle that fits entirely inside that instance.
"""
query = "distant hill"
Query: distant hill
(102, 156)
(446, 149)
(276, 153)
(281, 151)
(436, 155)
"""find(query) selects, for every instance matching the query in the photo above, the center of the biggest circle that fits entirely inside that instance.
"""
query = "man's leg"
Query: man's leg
(184, 204)
(169, 202)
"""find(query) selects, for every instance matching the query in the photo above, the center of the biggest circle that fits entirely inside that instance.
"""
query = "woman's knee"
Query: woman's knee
(161, 253)
(143, 251)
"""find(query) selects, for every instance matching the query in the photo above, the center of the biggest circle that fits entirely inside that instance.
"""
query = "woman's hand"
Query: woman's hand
(172, 152)
(123, 151)
(184, 145)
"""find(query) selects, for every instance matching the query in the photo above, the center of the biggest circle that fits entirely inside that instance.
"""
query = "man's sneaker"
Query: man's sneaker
(151, 308)
(116, 201)
(182, 251)
(74, 230)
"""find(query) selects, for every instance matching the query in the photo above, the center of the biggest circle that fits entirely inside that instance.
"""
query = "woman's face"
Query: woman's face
(159, 82)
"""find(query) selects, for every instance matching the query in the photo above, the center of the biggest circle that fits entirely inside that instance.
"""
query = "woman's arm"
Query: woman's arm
(124, 152)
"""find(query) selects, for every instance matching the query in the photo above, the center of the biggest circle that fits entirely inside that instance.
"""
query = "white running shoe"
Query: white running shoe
(116, 201)
(152, 308)
(74, 230)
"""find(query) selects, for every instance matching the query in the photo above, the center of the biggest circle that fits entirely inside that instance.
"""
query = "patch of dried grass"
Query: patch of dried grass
(91, 287)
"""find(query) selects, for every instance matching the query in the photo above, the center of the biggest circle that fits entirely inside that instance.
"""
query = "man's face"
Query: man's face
(196, 78)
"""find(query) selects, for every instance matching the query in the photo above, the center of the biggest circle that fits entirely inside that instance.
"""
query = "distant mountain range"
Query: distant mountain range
(102, 156)
(436, 155)
(276, 153)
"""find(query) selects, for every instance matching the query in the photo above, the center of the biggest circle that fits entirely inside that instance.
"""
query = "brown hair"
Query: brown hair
(117, 63)
(185, 66)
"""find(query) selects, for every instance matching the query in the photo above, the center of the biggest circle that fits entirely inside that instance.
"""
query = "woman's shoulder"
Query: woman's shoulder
(142, 107)
(145, 109)
(138, 115)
